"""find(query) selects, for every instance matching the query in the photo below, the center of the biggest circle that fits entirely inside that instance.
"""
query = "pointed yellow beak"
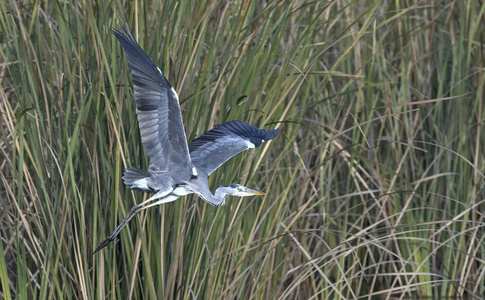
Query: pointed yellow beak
(254, 192)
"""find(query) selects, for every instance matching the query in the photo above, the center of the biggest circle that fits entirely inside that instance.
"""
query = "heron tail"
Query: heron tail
(137, 180)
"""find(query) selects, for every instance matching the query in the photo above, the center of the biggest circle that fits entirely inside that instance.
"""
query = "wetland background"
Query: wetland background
(375, 186)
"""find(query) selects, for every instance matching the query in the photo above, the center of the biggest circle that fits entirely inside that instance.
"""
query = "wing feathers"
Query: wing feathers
(219, 144)
(158, 109)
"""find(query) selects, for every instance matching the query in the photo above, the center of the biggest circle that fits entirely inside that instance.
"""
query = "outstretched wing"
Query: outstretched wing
(210, 150)
(158, 109)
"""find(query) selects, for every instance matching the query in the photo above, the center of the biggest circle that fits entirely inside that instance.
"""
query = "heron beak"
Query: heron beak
(251, 192)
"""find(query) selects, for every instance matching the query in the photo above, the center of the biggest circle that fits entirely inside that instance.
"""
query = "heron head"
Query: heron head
(242, 191)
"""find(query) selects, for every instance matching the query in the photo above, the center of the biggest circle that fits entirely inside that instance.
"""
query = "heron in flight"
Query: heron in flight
(177, 168)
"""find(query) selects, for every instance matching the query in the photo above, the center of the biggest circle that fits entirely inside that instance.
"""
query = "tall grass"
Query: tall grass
(374, 188)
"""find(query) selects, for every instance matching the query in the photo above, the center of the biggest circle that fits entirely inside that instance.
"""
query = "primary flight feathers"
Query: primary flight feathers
(216, 146)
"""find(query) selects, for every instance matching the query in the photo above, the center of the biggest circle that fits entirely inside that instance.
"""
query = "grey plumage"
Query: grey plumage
(157, 108)
(177, 169)
(216, 146)
(133, 174)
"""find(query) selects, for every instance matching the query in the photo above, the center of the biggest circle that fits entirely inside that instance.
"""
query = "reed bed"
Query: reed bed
(375, 186)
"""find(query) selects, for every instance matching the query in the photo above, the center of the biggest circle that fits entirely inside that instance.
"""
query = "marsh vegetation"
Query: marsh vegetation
(375, 185)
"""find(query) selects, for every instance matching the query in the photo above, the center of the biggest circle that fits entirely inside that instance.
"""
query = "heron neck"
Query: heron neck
(219, 197)
(202, 190)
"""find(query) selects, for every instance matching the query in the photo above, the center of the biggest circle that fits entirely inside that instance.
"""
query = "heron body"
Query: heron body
(177, 168)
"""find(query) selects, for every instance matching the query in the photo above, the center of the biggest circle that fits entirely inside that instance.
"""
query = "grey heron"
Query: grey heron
(177, 168)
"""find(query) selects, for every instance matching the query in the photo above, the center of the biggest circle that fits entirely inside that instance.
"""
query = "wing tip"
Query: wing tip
(272, 133)
(125, 37)
(122, 32)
